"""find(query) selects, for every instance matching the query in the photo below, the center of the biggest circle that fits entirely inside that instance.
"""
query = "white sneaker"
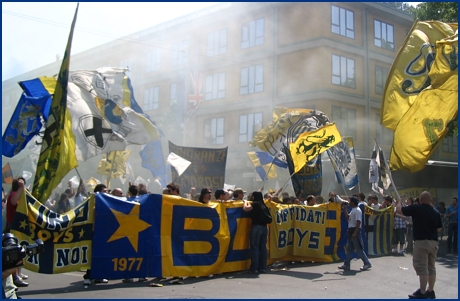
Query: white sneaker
(86, 281)
(210, 276)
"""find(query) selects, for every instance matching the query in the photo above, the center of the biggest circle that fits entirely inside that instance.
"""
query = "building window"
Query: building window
(215, 86)
(253, 33)
(214, 131)
(345, 119)
(450, 145)
(381, 75)
(343, 22)
(249, 125)
(153, 60)
(343, 71)
(383, 35)
(151, 97)
(217, 43)
(180, 53)
(172, 94)
(252, 79)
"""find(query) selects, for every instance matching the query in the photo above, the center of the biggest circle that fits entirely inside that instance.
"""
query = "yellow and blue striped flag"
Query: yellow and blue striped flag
(264, 164)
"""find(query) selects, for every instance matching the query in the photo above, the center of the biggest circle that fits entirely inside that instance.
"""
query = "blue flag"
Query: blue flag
(153, 160)
(24, 124)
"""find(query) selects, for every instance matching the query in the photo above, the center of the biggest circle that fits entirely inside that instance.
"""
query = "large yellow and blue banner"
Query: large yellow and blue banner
(67, 237)
(379, 230)
(305, 232)
(163, 235)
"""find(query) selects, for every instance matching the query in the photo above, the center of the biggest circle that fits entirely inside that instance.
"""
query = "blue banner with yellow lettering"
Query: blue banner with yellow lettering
(67, 237)
(207, 168)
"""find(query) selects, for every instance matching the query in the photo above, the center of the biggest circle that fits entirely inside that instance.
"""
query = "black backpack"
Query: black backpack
(265, 215)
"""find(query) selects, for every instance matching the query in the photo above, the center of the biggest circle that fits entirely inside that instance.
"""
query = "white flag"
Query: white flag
(101, 115)
(373, 167)
(179, 163)
(384, 173)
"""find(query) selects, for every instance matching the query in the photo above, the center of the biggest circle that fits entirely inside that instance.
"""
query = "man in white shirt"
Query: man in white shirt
(354, 239)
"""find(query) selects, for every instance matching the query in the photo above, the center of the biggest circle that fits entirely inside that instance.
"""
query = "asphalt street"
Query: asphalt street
(391, 277)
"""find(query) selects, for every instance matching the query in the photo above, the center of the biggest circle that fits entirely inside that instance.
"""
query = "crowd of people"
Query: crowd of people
(414, 224)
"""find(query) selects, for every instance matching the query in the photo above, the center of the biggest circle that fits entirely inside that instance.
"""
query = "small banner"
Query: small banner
(67, 237)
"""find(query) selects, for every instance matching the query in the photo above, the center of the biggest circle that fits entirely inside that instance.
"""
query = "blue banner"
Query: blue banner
(207, 168)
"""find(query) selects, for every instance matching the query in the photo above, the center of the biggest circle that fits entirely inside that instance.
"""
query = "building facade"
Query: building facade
(241, 60)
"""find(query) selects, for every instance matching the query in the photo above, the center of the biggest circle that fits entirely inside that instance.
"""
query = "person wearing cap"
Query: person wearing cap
(221, 196)
(354, 239)
(238, 194)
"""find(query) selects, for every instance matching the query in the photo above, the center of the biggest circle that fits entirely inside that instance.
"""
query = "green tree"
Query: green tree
(444, 12)
(439, 11)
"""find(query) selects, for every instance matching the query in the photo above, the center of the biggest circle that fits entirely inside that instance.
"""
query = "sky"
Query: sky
(34, 33)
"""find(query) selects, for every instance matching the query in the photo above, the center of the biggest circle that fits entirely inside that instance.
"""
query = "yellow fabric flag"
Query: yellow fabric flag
(425, 123)
(57, 155)
(311, 144)
(283, 118)
(92, 182)
(114, 164)
(409, 73)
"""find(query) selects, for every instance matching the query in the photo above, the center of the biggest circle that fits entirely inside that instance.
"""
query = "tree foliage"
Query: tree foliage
(438, 11)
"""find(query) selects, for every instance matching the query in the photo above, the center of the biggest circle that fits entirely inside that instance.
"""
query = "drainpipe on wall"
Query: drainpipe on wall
(366, 83)
(274, 82)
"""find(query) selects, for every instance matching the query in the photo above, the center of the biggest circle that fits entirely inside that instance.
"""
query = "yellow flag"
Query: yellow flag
(57, 155)
(92, 182)
(425, 123)
(283, 118)
(114, 164)
(409, 73)
(311, 144)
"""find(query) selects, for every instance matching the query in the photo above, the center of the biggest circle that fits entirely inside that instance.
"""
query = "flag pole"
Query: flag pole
(81, 179)
(285, 183)
(266, 175)
(343, 183)
(388, 171)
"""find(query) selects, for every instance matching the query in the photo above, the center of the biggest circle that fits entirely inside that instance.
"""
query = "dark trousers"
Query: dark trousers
(452, 236)
(258, 243)
(410, 238)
